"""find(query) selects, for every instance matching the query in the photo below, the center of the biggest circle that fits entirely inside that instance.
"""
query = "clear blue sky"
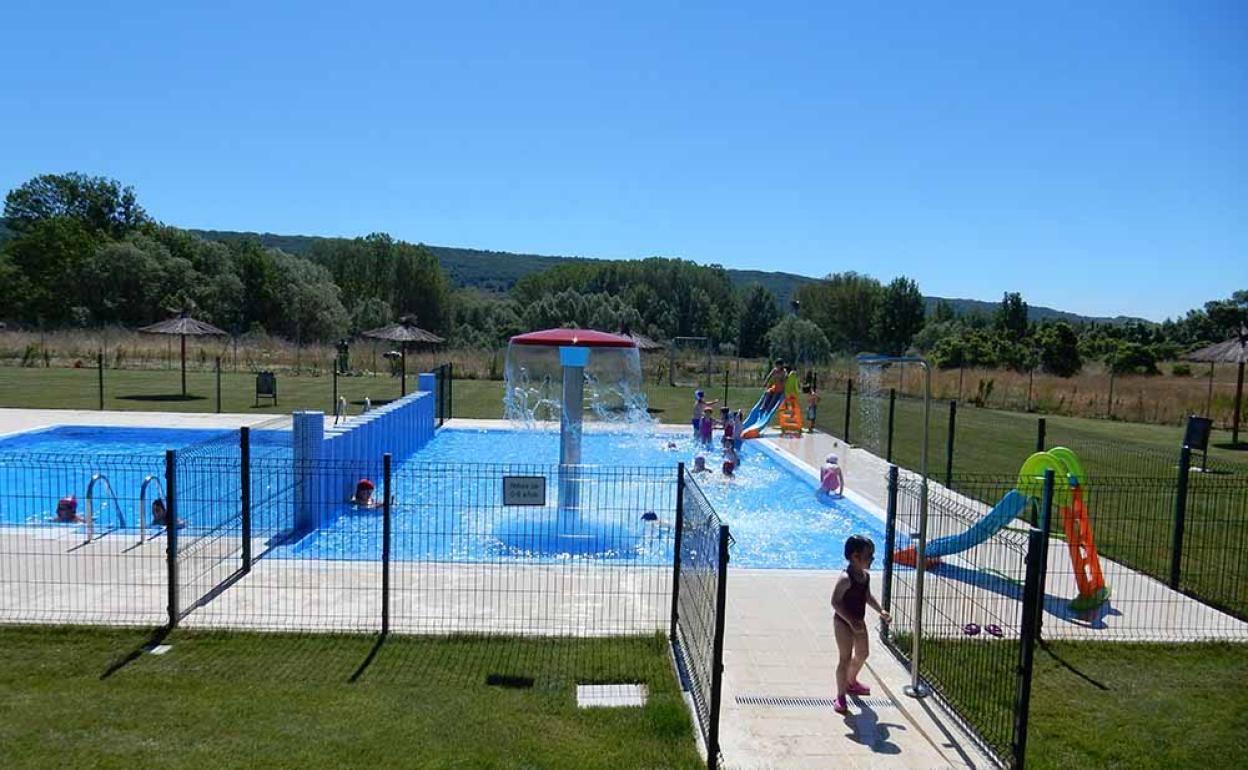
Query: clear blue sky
(1093, 156)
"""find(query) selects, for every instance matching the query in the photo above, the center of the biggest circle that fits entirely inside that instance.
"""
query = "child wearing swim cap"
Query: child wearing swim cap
(831, 479)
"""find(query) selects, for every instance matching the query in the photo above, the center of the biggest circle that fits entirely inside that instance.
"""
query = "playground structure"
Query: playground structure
(776, 397)
(1070, 482)
(791, 409)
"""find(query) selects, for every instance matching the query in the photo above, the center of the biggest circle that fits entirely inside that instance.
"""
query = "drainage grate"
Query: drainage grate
(798, 701)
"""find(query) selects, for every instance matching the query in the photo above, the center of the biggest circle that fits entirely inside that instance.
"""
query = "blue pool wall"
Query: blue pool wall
(329, 462)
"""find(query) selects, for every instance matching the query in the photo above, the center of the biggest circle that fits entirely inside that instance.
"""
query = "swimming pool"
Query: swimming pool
(38, 467)
(775, 518)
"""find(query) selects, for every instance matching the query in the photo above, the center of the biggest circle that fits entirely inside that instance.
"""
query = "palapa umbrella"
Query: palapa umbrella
(1232, 351)
(405, 332)
(183, 325)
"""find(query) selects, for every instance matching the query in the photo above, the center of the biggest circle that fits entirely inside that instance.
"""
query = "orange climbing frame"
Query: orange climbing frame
(791, 417)
(1082, 547)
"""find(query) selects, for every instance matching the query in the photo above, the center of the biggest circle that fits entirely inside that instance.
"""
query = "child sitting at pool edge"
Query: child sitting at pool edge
(850, 598)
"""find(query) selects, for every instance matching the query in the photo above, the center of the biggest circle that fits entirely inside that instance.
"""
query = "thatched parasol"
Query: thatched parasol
(183, 326)
(405, 332)
(1232, 351)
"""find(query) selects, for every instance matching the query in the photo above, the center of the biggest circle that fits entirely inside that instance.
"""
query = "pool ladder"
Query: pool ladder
(121, 519)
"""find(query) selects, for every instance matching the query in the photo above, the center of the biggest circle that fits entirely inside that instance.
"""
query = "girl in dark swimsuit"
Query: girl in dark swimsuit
(850, 599)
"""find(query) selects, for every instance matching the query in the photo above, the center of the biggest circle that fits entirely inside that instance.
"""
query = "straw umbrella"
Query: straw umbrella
(1232, 351)
(405, 332)
(183, 326)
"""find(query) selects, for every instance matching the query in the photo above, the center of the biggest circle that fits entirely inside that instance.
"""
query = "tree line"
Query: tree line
(82, 251)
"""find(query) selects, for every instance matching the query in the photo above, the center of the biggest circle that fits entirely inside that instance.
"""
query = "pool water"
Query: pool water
(772, 511)
(775, 518)
(39, 467)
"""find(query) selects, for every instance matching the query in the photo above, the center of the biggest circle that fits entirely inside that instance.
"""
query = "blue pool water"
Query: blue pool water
(455, 514)
(39, 467)
(774, 516)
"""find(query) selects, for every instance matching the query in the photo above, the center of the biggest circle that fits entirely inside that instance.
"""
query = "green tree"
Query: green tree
(1011, 317)
(99, 204)
(898, 315)
(1133, 358)
(50, 255)
(798, 341)
(1059, 349)
(759, 314)
(843, 305)
(1229, 316)
(943, 312)
(421, 288)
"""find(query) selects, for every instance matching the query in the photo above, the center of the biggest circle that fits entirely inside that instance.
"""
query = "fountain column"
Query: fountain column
(573, 360)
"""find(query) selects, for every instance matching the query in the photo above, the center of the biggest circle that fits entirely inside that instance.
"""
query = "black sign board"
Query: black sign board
(1197, 435)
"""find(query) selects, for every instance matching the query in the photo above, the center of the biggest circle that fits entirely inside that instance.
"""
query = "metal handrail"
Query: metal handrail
(143, 503)
(121, 519)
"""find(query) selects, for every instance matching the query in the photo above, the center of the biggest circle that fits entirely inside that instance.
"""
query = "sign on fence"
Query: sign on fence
(524, 490)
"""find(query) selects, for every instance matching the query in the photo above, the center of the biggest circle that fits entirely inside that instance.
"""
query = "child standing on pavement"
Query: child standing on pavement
(850, 599)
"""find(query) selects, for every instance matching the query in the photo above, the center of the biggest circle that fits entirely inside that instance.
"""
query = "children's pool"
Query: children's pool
(775, 518)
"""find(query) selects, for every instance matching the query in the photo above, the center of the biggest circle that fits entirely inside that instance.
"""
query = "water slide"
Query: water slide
(999, 517)
(758, 419)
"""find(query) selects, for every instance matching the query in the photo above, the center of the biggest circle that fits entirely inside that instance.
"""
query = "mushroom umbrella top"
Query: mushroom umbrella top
(580, 338)
(1232, 351)
(405, 331)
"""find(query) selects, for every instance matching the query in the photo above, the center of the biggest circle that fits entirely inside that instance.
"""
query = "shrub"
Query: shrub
(1181, 370)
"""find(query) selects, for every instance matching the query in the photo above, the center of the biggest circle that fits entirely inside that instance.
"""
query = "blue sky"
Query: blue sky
(1093, 156)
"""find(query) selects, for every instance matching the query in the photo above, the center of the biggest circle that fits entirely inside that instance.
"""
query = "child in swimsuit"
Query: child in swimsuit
(706, 427)
(700, 405)
(850, 599)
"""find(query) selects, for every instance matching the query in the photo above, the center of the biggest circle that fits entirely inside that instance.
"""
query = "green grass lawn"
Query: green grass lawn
(1107, 705)
(252, 700)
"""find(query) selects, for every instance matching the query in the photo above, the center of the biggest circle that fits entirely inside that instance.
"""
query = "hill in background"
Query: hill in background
(498, 271)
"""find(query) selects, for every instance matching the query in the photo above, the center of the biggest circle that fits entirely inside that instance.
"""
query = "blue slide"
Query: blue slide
(757, 419)
(1000, 516)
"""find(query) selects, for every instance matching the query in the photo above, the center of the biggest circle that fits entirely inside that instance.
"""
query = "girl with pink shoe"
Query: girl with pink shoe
(850, 599)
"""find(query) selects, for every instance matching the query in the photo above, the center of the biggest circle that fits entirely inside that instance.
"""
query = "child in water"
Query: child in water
(850, 598)
(706, 427)
(700, 406)
(831, 479)
(730, 457)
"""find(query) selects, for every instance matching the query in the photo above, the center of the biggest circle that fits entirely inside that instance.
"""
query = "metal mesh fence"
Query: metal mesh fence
(98, 560)
(972, 615)
(698, 617)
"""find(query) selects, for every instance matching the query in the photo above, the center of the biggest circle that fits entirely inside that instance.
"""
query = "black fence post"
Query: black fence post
(385, 544)
(725, 386)
(244, 477)
(892, 405)
(953, 421)
(1046, 521)
(218, 384)
(890, 539)
(1033, 604)
(333, 406)
(1040, 429)
(100, 367)
(1180, 514)
(717, 659)
(680, 529)
(171, 535)
(849, 397)
(450, 390)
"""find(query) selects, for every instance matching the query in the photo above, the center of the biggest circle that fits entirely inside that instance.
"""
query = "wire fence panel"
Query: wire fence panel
(593, 559)
(972, 614)
(699, 619)
(98, 559)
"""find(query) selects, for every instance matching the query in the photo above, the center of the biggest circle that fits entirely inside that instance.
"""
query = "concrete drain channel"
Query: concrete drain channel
(797, 701)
